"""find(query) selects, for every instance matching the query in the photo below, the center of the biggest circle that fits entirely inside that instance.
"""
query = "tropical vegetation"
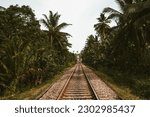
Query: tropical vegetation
(125, 46)
(29, 55)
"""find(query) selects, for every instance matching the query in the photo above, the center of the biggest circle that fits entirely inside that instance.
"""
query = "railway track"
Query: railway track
(78, 83)
(78, 86)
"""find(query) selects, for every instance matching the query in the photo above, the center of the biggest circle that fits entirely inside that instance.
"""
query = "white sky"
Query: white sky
(81, 14)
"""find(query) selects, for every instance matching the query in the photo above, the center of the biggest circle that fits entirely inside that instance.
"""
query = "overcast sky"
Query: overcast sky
(81, 14)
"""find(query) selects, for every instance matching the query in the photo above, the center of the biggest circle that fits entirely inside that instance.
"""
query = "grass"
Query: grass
(33, 93)
(127, 86)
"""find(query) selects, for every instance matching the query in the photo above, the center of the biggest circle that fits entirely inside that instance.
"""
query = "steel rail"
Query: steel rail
(66, 84)
(87, 79)
(90, 84)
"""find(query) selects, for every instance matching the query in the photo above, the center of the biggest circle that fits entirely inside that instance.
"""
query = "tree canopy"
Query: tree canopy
(125, 45)
(28, 54)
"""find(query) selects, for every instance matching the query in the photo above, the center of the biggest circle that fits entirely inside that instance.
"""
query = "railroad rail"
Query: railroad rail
(78, 86)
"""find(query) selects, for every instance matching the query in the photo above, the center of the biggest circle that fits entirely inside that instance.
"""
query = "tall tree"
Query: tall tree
(57, 38)
(91, 52)
(126, 46)
(102, 27)
(132, 19)
(19, 29)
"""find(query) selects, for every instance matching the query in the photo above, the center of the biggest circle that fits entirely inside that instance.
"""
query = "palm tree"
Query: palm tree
(132, 20)
(102, 26)
(127, 7)
(57, 38)
(129, 10)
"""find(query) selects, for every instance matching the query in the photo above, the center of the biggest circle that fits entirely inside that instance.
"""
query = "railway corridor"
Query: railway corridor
(78, 83)
(78, 87)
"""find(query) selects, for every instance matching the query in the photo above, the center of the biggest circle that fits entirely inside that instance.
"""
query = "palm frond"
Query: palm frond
(46, 18)
(56, 18)
(45, 23)
(66, 34)
(121, 4)
(53, 18)
(111, 10)
(115, 17)
(62, 26)
(129, 1)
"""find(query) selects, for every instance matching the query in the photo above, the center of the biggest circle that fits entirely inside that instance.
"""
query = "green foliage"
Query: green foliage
(26, 55)
(126, 46)
(91, 53)
(102, 27)
(127, 85)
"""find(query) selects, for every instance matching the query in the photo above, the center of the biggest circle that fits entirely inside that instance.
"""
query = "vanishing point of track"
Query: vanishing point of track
(78, 86)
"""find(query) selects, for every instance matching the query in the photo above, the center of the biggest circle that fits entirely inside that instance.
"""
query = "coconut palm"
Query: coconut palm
(127, 7)
(57, 38)
(132, 19)
(102, 26)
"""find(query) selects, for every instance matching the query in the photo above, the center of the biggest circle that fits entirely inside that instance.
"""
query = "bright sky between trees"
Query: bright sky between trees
(81, 14)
